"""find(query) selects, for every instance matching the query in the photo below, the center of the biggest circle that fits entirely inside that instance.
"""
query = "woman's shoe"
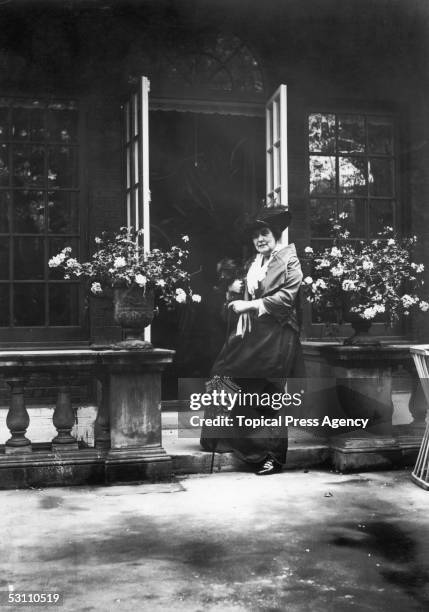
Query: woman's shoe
(270, 466)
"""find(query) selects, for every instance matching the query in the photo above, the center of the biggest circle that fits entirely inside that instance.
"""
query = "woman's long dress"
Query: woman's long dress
(261, 360)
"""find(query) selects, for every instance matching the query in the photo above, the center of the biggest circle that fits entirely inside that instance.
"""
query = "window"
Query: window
(39, 215)
(352, 169)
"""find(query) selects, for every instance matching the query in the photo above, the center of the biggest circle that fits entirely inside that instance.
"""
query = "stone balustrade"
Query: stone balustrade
(128, 443)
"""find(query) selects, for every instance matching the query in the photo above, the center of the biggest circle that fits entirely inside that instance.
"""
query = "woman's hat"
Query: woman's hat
(273, 217)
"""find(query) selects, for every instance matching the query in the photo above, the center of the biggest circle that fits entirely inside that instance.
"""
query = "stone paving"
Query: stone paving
(230, 541)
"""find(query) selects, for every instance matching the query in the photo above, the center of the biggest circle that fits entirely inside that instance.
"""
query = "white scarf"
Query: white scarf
(258, 271)
(255, 275)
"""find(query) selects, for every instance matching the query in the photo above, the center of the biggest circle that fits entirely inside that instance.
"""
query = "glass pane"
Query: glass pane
(380, 135)
(55, 246)
(356, 221)
(276, 120)
(29, 304)
(351, 134)
(63, 212)
(63, 304)
(135, 115)
(269, 128)
(322, 174)
(127, 121)
(136, 176)
(128, 157)
(4, 165)
(321, 133)
(29, 257)
(4, 211)
(28, 165)
(4, 258)
(322, 315)
(381, 213)
(62, 167)
(62, 122)
(320, 213)
(380, 177)
(4, 120)
(352, 175)
(4, 305)
(29, 212)
(28, 120)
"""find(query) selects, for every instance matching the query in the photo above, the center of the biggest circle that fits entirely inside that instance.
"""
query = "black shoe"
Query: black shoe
(270, 466)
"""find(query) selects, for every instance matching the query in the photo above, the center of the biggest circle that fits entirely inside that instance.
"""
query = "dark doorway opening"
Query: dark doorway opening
(206, 171)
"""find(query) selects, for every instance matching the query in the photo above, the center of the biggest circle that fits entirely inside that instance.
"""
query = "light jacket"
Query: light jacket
(279, 288)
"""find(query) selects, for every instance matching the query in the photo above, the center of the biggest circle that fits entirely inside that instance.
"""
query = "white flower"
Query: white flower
(140, 280)
(185, 238)
(367, 265)
(307, 280)
(96, 288)
(424, 306)
(335, 252)
(160, 283)
(420, 268)
(407, 300)
(180, 296)
(369, 313)
(57, 260)
(308, 250)
(120, 262)
(97, 240)
(337, 270)
(379, 308)
(390, 242)
(196, 298)
(320, 283)
(348, 285)
(343, 215)
(72, 263)
(324, 263)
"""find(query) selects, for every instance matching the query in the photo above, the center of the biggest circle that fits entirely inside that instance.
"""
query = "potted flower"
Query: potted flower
(362, 281)
(137, 278)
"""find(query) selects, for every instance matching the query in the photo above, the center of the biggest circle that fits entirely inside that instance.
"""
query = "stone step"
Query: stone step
(305, 450)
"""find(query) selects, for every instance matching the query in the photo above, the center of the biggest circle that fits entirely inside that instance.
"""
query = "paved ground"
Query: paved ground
(295, 541)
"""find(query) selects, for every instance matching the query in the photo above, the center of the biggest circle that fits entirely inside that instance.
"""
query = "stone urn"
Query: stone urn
(361, 330)
(133, 310)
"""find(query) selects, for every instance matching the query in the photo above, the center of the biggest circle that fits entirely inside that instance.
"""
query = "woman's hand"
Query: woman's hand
(240, 306)
(236, 286)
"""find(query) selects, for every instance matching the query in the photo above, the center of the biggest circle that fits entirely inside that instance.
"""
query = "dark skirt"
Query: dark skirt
(260, 362)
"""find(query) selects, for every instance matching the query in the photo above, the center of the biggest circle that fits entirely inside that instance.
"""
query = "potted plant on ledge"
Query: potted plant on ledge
(135, 277)
(360, 282)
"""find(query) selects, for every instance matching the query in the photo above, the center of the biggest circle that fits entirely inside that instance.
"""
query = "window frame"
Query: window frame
(58, 335)
(320, 331)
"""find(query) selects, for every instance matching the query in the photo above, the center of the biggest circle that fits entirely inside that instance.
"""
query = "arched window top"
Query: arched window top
(226, 65)
(221, 65)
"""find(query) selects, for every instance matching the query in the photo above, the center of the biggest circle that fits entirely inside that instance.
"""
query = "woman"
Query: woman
(265, 346)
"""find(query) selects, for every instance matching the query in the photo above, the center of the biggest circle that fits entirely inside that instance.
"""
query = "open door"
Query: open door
(136, 149)
(276, 151)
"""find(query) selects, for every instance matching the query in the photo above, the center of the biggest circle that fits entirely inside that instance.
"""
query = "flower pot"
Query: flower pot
(133, 310)
(361, 328)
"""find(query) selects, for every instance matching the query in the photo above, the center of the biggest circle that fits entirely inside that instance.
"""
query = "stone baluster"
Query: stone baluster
(102, 422)
(64, 417)
(17, 419)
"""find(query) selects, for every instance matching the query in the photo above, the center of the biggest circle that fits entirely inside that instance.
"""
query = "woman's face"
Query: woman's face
(264, 241)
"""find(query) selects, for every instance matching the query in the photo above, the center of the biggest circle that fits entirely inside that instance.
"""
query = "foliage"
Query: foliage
(369, 279)
(121, 261)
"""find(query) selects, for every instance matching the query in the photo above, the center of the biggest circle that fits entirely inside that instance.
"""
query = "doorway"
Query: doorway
(206, 172)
